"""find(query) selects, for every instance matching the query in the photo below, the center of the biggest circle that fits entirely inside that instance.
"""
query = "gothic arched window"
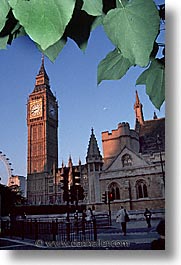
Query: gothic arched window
(141, 189)
(145, 193)
(126, 160)
(115, 191)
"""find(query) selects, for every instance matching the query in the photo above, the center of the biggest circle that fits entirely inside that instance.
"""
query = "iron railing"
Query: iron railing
(51, 230)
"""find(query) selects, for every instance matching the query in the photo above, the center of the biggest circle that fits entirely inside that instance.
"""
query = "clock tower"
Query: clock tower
(42, 122)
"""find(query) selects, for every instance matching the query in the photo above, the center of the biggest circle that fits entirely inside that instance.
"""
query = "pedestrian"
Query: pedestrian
(76, 217)
(121, 218)
(89, 215)
(24, 216)
(84, 215)
(159, 244)
(93, 209)
(147, 215)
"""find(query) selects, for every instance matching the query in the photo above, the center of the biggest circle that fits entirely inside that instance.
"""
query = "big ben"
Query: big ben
(42, 122)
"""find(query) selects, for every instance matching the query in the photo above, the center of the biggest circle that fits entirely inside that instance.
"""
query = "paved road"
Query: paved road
(138, 237)
(15, 244)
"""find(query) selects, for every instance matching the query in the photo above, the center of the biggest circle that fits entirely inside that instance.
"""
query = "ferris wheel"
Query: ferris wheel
(7, 165)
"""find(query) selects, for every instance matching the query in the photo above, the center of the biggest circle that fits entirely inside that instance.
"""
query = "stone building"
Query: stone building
(17, 183)
(134, 161)
(131, 167)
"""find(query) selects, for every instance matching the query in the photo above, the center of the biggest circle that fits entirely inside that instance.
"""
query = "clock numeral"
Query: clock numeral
(36, 109)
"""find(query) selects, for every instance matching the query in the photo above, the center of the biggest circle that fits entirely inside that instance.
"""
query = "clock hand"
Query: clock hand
(33, 110)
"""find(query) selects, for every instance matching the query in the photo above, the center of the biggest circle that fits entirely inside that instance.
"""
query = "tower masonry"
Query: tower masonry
(117, 139)
(42, 122)
(94, 166)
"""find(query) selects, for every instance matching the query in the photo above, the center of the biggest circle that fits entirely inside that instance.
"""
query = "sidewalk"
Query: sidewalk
(138, 237)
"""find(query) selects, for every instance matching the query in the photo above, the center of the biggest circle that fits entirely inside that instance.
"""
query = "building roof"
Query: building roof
(42, 70)
(42, 79)
(152, 136)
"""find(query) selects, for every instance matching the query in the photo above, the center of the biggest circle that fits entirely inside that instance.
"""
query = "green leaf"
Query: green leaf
(79, 28)
(113, 67)
(97, 22)
(3, 42)
(4, 9)
(44, 21)
(154, 51)
(53, 51)
(94, 23)
(17, 32)
(93, 7)
(121, 3)
(133, 29)
(154, 79)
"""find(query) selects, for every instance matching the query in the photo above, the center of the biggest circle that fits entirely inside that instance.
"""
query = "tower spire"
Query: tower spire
(155, 116)
(42, 70)
(94, 167)
(42, 79)
(70, 164)
(138, 110)
(137, 98)
(93, 151)
(42, 59)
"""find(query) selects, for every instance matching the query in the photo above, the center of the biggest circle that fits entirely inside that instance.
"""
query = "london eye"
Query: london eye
(5, 168)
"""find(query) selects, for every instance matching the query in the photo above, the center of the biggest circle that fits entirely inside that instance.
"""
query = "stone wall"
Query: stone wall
(115, 141)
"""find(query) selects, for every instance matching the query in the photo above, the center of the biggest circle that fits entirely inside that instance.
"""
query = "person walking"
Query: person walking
(89, 215)
(121, 218)
(84, 215)
(147, 215)
(76, 216)
(24, 216)
(83, 221)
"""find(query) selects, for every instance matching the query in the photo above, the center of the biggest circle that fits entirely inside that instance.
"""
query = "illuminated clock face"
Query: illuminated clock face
(51, 110)
(36, 109)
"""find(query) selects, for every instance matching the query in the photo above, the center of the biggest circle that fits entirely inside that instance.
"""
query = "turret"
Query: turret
(113, 142)
(155, 116)
(138, 111)
(70, 174)
(70, 164)
(42, 79)
(94, 165)
(93, 152)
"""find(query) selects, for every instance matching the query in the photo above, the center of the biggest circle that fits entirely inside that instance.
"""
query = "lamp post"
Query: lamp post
(158, 143)
(0, 206)
(110, 198)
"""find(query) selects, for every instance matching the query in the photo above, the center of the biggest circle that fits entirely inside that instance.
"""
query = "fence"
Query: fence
(55, 229)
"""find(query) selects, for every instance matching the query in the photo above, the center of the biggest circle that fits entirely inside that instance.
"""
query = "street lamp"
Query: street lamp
(158, 143)
(0, 206)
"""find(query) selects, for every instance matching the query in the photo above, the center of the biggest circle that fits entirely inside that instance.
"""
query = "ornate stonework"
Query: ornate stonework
(42, 122)
(131, 167)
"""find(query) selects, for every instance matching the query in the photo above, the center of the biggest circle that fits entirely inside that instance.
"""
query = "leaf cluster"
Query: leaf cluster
(132, 26)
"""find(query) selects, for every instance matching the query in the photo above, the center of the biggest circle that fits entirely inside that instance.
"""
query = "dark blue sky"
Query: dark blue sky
(82, 104)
